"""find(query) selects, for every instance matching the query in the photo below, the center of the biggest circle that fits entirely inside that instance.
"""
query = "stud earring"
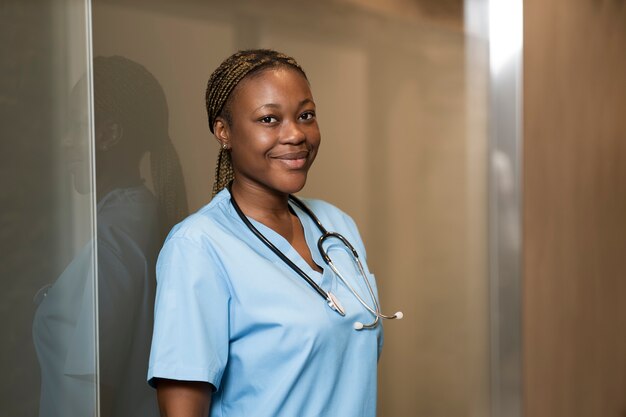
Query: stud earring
(224, 146)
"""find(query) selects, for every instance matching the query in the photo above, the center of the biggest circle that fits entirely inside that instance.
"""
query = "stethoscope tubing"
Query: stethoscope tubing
(326, 235)
(332, 301)
(274, 249)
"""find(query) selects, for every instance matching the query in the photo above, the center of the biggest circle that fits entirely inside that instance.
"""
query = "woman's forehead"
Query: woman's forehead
(282, 86)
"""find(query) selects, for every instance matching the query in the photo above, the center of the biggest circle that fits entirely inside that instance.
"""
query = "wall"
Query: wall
(575, 208)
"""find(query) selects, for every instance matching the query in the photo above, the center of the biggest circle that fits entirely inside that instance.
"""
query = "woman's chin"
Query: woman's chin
(279, 184)
(293, 184)
(82, 185)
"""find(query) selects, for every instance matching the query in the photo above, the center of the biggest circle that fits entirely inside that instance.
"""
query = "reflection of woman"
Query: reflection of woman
(131, 119)
(237, 331)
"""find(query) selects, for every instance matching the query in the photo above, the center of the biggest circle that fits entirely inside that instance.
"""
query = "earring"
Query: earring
(224, 146)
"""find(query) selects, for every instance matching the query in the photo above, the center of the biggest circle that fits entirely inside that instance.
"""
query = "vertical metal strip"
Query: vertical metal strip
(505, 205)
(476, 29)
(94, 202)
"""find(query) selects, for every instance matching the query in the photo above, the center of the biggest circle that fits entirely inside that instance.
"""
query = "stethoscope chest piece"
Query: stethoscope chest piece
(334, 303)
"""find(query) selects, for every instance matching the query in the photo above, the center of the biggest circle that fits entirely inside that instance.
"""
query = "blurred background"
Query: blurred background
(423, 144)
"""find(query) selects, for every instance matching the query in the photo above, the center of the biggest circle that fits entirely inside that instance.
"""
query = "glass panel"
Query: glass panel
(401, 92)
(48, 353)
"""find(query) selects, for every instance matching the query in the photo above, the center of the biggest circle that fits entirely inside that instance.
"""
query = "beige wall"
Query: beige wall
(575, 208)
(398, 144)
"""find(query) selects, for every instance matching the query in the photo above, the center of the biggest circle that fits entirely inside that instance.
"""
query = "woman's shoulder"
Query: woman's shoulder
(205, 224)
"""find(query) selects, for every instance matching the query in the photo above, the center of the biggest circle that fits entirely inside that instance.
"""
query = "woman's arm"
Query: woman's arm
(183, 398)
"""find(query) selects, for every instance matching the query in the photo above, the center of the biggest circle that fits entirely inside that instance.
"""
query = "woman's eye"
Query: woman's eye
(307, 115)
(268, 119)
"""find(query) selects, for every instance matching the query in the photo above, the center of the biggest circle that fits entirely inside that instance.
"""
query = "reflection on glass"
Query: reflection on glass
(64, 321)
(44, 222)
(131, 119)
(63, 334)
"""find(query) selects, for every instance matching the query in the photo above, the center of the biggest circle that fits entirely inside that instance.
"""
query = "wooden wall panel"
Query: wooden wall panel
(575, 208)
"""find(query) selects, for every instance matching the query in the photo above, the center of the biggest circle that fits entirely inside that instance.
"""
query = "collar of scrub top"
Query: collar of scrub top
(330, 298)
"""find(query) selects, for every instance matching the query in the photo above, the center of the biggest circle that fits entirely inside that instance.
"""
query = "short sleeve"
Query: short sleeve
(191, 321)
(80, 359)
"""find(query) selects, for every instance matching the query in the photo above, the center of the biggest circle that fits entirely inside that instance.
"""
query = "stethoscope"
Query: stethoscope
(329, 297)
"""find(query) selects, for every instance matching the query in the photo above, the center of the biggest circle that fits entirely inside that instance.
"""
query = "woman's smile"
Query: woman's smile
(293, 160)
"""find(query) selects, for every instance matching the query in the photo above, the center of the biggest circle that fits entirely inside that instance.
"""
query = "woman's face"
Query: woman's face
(274, 135)
(76, 140)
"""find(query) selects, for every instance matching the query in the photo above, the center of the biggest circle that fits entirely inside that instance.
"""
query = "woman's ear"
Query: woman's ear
(222, 133)
(108, 135)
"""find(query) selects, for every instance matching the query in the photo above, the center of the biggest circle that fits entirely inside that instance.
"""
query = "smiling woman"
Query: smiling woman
(238, 332)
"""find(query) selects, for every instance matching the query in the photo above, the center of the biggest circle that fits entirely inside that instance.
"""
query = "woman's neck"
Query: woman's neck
(268, 207)
(272, 209)
(112, 180)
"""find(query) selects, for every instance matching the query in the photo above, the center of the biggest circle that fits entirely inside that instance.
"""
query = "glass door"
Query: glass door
(48, 245)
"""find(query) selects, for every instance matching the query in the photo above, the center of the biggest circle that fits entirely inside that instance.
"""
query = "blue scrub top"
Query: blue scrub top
(230, 312)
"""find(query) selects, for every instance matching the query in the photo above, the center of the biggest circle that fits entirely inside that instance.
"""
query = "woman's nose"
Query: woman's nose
(292, 133)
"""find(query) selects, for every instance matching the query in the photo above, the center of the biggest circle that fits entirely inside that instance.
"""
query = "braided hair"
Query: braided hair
(219, 91)
(129, 93)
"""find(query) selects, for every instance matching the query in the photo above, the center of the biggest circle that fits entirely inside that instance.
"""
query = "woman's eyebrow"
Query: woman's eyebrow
(271, 105)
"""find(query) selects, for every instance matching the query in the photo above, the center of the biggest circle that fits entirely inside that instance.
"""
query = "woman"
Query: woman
(239, 329)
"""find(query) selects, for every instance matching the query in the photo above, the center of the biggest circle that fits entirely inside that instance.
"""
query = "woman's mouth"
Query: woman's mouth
(293, 160)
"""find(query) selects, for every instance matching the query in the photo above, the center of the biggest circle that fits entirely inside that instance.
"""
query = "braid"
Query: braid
(223, 172)
(219, 90)
(169, 185)
(128, 92)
